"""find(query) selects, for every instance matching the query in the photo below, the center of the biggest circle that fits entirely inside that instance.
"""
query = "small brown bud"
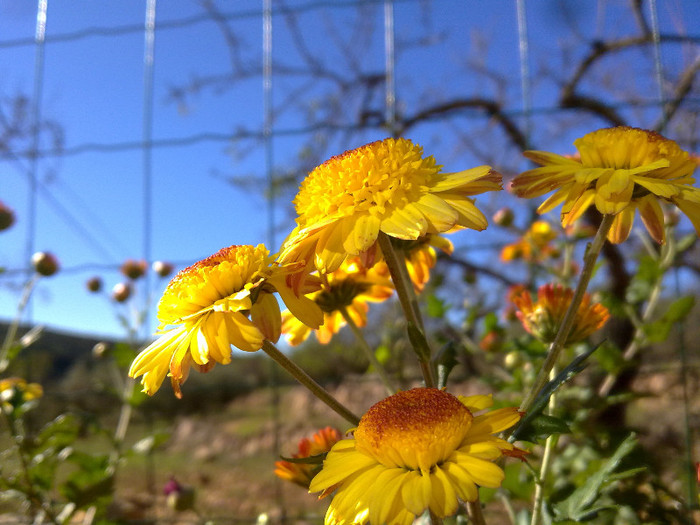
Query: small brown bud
(94, 284)
(121, 292)
(134, 269)
(45, 263)
(100, 350)
(504, 217)
(7, 217)
(162, 268)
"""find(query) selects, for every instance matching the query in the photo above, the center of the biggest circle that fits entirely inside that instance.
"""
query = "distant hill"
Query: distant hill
(53, 353)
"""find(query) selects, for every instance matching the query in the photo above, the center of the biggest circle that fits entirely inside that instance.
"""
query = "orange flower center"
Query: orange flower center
(415, 429)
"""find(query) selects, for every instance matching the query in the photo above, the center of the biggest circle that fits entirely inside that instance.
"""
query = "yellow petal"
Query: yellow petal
(266, 315)
(469, 215)
(440, 214)
(484, 473)
(652, 217)
(621, 226)
(451, 181)
(406, 223)
(444, 501)
(613, 191)
(413, 495)
(461, 480)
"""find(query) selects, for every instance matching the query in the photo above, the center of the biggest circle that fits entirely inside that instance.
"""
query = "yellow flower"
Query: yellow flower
(302, 473)
(620, 170)
(351, 286)
(534, 245)
(416, 450)
(543, 318)
(222, 301)
(15, 391)
(385, 186)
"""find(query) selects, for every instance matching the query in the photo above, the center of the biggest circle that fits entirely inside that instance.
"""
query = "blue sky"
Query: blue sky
(90, 209)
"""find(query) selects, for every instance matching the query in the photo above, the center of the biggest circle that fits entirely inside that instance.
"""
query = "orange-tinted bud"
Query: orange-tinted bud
(121, 292)
(162, 268)
(45, 263)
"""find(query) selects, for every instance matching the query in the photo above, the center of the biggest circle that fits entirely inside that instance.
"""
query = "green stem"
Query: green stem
(589, 260)
(476, 516)
(409, 305)
(391, 390)
(306, 380)
(549, 445)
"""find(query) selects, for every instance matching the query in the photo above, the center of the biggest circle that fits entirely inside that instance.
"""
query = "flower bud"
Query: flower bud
(45, 263)
(94, 284)
(162, 268)
(100, 350)
(133, 269)
(503, 217)
(7, 217)
(121, 292)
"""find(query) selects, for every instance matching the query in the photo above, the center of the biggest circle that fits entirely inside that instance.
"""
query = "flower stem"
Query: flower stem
(476, 516)
(409, 305)
(306, 380)
(549, 445)
(589, 260)
(391, 390)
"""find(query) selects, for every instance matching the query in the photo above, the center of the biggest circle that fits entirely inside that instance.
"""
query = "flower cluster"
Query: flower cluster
(543, 317)
(302, 473)
(358, 214)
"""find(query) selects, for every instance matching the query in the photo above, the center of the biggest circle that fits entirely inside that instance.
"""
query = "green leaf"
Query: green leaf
(491, 322)
(579, 506)
(123, 354)
(316, 459)
(435, 306)
(659, 330)
(542, 399)
(383, 354)
(541, 427)
(446, 360)
(680, 308)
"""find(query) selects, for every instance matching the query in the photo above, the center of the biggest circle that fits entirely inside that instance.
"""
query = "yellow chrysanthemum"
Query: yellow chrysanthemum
(351, 286)
(534, 245)
(385, 186)
(302, 473)
(222, 301)
(620, 170)
(416, 450)
(543, 318)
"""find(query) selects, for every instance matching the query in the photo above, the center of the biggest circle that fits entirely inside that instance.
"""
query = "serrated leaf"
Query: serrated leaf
(579, 505)
(542, 427)
(542, 399)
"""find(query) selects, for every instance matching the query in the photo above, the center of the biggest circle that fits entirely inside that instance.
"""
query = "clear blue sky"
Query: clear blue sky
(90, 207)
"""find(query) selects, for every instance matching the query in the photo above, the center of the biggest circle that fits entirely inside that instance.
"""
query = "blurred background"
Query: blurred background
(164, 132)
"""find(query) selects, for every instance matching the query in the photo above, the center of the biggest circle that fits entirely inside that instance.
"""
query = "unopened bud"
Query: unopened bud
(7, 217)
(162, 268)
(100, 350)
(121, 292)
(94, 284)
(45, 263)
(134, 269)
(503, 217)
